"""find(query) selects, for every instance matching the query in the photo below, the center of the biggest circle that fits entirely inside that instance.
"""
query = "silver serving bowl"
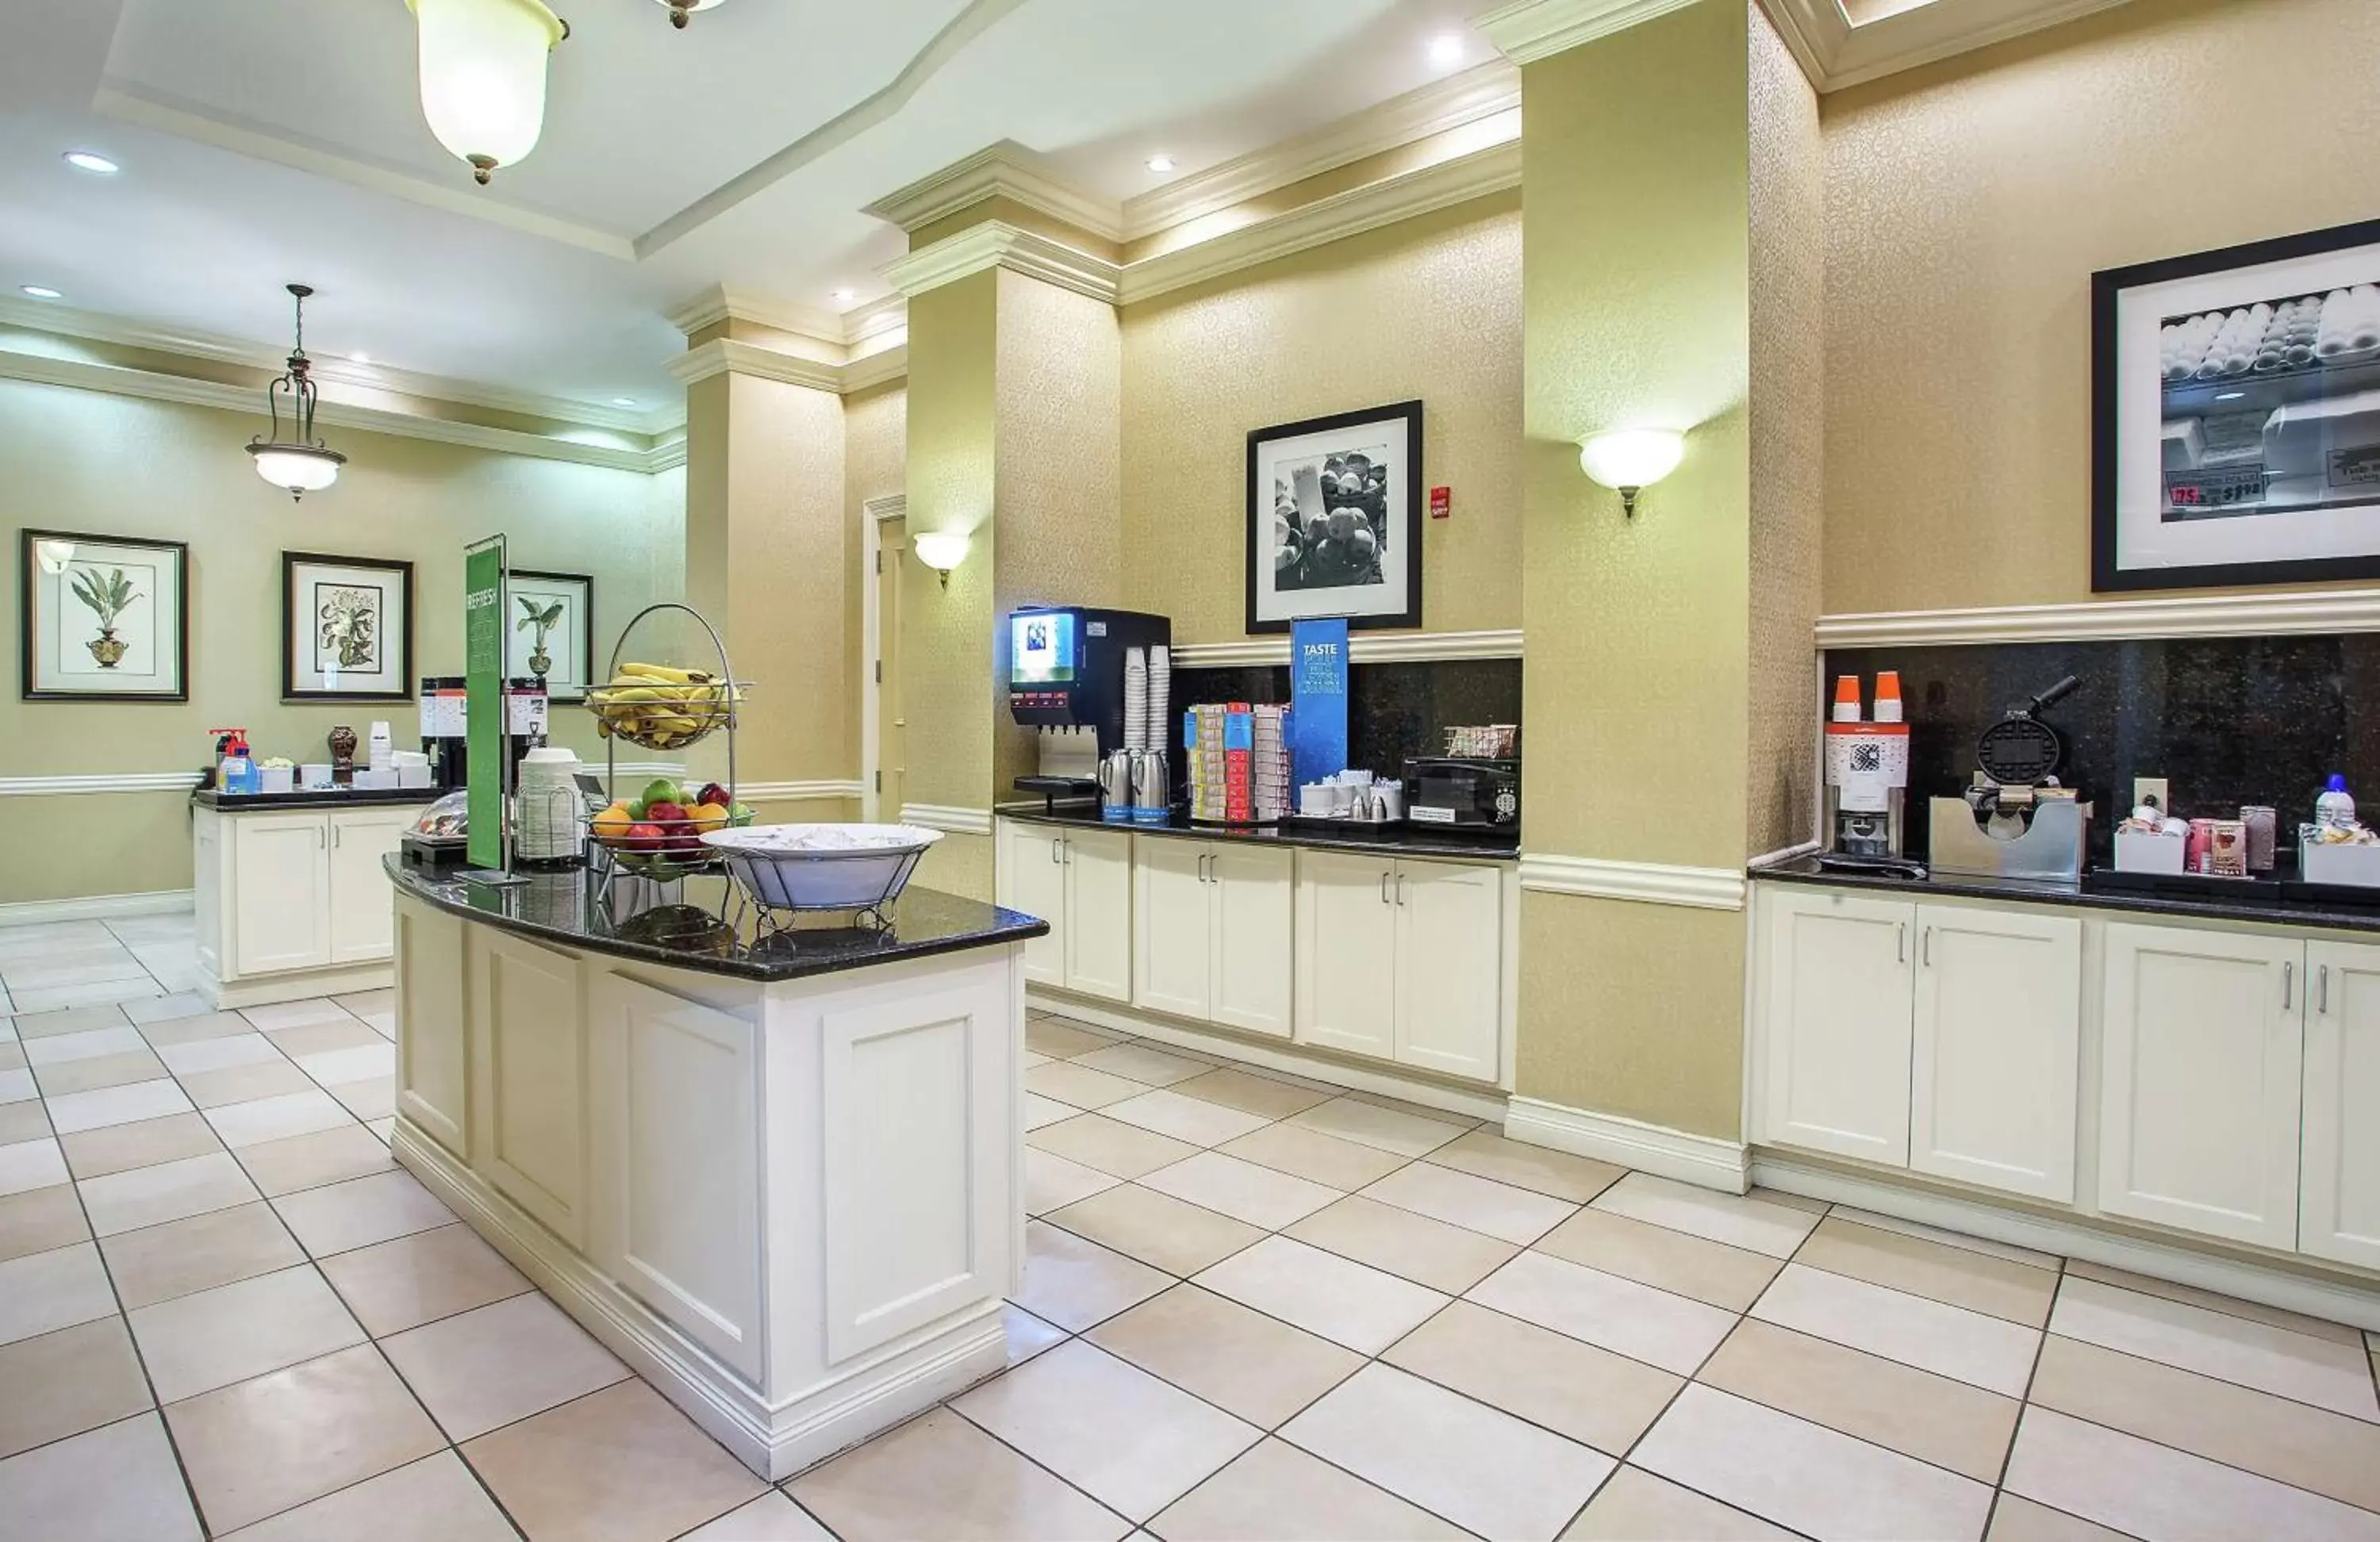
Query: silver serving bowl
(822, 867)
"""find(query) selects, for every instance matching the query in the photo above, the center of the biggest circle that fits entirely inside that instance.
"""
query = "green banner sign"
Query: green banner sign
(483, 677)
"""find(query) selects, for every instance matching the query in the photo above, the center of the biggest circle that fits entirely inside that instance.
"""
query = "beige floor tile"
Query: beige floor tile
(12, 1055)
(1740, 1220)
(158, 1263)
(97, 1110)
(361, 1211)
(2229, 1305)
(1145, 1063)
(384, 1130)
(17, 1086)
(1411, 1246)
(1191, 1119)
(1635, 1506)
(2017, 1519)
(77, 967)
(1123, 1150)
(142, 1197)
(87, 1075)
(245, 1084)
(279, 1015)
(1473, 1465)
(1325, 1159)
(308, 1161)
(1263, 1096)
(432, 1500)
(1074, 1282)
(96, 993)
(28, 1165)
(1962, 1278)
(1804, 1477)
(1080, 1085)
(1041, 1111)
(1558, 1173)
(164, 1009)
(1241, 1361)
(941, 1479)
(1574, 1389)
(1274, 1492)
(1407, 1135)
(35, 1221)
(220, 1053)
(327, 1037)
(355, 1063)
(41, 1293)
(2009, 1251)
(1130, 1440)
(368, 1101)
(97, 1153)
(190, 1030)
(1636, 1320)
(65, 1048)
(2312, 1448)
(23, 1122)
(1517, 1214)
(1047, 1036)
(1053, 1183)
(113, 1484)
(1986, 1352)
(1027, 1335)
(277, 1117)
(195, 1343)
(32, 1025)
(1675, 1261)
(1343, 1300)
(1916, 1412)
(2320, 1371)
(363, 1004)
(771, 1518)
(66, 1382)
(259, 1447)
(2150, 1490)
(495, 1364)
(408, 1280)
(1258, 1196)
(621, 1465)
(1176, 1236)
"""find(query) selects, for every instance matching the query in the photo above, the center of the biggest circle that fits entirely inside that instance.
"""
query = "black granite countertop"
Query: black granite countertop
(2261, 900)
(339, 797)
(1396, 839)
(704, 923)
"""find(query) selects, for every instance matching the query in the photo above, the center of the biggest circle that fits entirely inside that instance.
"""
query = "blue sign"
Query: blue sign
(1317, 690)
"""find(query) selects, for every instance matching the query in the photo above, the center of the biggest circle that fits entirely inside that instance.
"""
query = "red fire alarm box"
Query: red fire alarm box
(1442, 502)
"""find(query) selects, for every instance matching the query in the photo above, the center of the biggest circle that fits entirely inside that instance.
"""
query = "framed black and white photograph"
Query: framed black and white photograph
(2236, 415)
(1334, 520)
(103, 618)
(347, 628)
(550, 632)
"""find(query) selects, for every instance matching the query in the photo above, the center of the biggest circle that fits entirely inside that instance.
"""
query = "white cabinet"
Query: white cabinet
(2200, 1063)
(1997, 1038)
(2338, 1211)
(293, 902)
(433, 1057)
(1833, 1043)
(1032, 878)
(281, 892)
(1403, 959)
(363, 907)
(525, 1026)
(1346, 952)
(1079, 882)
(1211, 923)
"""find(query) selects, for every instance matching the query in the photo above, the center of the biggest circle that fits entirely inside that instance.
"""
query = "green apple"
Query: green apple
(661, 790)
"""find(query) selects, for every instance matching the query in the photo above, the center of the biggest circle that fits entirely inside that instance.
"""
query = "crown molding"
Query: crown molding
(1527, 31)
(796, 791)
(876, 369)
(2218, 615)
(998, 244)
(955, 818)
(1006, 170)
(845, 329)
(723, 355)
(1836, 52)
(117, 782)
(892, 506)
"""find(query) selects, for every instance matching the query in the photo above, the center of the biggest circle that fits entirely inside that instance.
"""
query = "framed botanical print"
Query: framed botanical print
(1334, 520)
(103, 618)
(550, 632)
(347, 628)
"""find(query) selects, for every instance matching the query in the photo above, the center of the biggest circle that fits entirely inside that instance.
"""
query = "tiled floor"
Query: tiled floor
(1254, 1308)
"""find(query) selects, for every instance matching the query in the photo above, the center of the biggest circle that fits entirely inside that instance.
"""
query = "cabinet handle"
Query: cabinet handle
(1384, 886)
(2322, 984)
(1067, 846)
(2289, 984)
(1204, 875)
(338, 834)
(1055, 847)
(1900, 941)
(1925, 948)
(1400, 889)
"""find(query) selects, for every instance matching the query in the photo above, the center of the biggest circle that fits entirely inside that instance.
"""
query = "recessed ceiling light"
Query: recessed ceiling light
(844, 297)
(1446, 49)
(624, 401)
(42, 292)
(358, 358)
(1160, 162)
(2228, 396)
(92, 162)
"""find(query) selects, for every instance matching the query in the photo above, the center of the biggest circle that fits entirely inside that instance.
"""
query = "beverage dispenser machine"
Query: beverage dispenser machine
(1068, 676)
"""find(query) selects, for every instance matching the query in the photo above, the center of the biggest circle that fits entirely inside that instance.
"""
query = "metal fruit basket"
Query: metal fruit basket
(661, 706)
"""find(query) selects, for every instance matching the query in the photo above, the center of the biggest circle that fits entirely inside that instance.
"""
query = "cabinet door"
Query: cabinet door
(1254, 919)
(2339, 1214)
(1346, 952)
(1833, 1038)
(1032, 879)
(1998, 1033)
(433, 1063)
(363, 899)
(281, 874)
(2201, 1052)
(526, 1026)
(1099, 913)
(1450, 966)
(1172, 921)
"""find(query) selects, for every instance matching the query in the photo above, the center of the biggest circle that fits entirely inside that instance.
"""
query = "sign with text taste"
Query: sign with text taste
(483, 680)
(1318, 694)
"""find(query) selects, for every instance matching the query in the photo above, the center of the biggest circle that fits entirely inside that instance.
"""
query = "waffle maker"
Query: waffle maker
(2014, 820)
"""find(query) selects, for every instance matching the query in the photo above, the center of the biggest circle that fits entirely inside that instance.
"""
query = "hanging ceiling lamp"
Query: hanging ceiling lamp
(301, 463)
(484, 76)
(681, 9)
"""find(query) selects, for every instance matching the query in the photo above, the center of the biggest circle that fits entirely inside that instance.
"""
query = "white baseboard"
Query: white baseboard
(296, 985)
(1705, 1160)
(2332, 1300)
(95, 907)
(1486, 1103)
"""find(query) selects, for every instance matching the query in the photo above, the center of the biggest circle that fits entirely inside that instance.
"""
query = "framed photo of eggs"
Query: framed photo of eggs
(2236, 415)
(1334, 520)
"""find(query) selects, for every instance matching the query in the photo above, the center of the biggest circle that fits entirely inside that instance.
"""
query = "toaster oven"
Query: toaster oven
(1450, 790)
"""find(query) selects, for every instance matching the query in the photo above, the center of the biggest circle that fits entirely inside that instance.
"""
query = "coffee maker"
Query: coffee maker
(445, 724)
(1867, 772)
(1067, 677)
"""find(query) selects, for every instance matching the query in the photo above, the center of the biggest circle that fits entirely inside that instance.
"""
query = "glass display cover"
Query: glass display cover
(1041, 648)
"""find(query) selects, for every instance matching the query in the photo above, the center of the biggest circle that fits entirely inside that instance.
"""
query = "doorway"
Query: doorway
(884, 725)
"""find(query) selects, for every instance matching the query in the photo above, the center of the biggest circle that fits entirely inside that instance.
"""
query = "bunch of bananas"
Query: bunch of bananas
(661, 707)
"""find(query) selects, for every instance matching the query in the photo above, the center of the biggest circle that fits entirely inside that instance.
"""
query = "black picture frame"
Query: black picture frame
(290, 689)
(29, 605)
(584, 584)
(2108, 288)
(1403, 513)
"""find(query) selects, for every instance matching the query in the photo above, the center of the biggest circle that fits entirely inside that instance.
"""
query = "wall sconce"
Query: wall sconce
(942, 551)
(1630, 460)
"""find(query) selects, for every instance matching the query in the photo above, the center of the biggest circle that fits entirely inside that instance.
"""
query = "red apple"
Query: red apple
(666, 815)
(644, 837)
(714, 795)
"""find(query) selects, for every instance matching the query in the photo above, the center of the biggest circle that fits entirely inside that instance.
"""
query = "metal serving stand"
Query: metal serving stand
(661, 725)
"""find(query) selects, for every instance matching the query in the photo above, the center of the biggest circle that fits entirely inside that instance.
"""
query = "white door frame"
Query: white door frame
(874, 513)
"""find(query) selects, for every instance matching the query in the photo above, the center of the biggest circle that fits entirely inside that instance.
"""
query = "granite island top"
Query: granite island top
(1452, 842)
(2259, 901)
(704, 922)
(337, 797)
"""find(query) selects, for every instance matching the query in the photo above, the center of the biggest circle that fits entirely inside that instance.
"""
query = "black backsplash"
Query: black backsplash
(1394, 709)
(2226, 721)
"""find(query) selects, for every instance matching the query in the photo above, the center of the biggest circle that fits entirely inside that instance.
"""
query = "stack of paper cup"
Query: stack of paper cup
(1160, 692)
(1136, 698)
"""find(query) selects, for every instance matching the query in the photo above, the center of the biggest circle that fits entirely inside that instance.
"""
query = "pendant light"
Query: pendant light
(484, 76)
(301, 463)
(681, 9)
